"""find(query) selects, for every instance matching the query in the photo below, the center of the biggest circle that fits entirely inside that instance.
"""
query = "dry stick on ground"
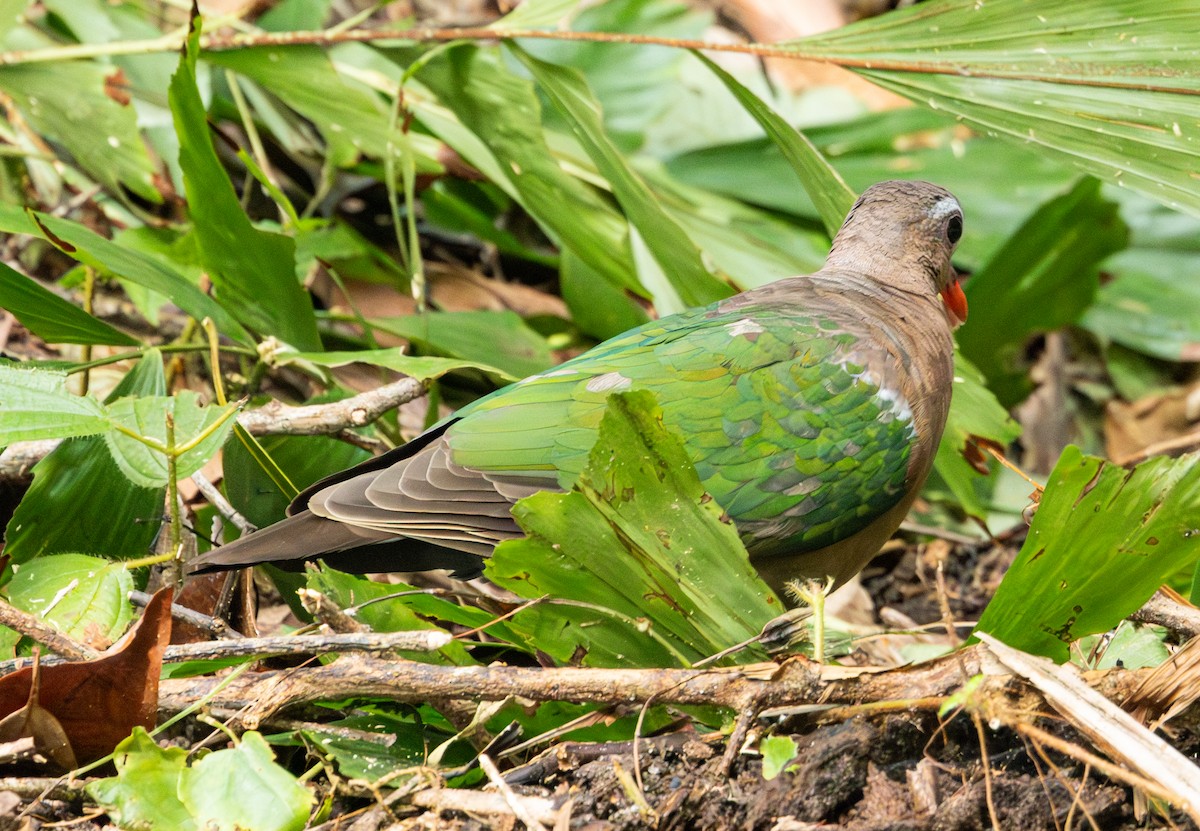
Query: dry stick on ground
(1166, 608)
(1107, 725)
(274, 419)
(752, 687)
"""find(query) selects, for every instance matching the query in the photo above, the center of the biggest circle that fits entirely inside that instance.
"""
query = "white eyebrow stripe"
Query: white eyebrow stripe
(945, 206)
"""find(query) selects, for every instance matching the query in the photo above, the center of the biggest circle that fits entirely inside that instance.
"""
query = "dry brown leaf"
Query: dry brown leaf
(1132, 427)
(96, 703)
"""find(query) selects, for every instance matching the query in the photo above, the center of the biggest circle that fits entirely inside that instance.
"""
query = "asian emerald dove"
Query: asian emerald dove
(812, 408)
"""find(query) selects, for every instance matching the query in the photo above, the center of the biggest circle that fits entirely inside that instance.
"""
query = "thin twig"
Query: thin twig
(36, 629)
(218, 501)
(511, 798)
(216, 626)
(426, 640)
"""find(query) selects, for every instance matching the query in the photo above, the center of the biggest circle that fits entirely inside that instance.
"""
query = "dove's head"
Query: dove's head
(904, 234)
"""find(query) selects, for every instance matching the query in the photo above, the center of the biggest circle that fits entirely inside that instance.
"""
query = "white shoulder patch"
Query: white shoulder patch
(743, 327)
(609, 382)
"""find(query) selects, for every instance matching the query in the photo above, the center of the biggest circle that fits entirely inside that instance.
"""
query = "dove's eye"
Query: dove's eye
(954, 229)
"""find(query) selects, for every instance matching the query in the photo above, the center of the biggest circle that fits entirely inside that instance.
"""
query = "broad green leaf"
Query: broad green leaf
(145, 791)
(505, 122)
(676, 254)
(1152, 305)
(1044, 277)
(50, 317)
(295, 16)
(236, 788)
(1107, 85)
(1103, 540)
(974, 412)
(84, 597)
(634, 85)
(907, 143)
(35, 404)
(146, 417)
(444, 206)
(253, 271)
(126, 263)
(750, 245)
(67, 101)
(398, 743)
(825, 186)
(538, 14)
(1152, 301)
(485, 338)
(60, 512)
(644, 568)
(303, 459)
(599, 308)
(1131, 646)
(244, 787)
(352, 119)
(421, 367)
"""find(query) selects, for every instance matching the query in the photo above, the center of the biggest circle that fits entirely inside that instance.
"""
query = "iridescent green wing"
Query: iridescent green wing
(787, 430)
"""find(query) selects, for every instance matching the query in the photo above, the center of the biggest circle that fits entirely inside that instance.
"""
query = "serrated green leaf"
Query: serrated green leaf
(236, 788)
(84, 597)
(61, 513)
(35, 404)
(1099, 527)
(647, 569)
(1104, 84)
(146, 417)
(253, 271)
(52, 318)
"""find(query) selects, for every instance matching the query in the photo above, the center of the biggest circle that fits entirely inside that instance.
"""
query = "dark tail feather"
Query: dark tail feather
(303, 537)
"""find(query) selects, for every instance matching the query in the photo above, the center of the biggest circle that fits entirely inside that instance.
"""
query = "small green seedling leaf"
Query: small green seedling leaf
(138, 440)
(777, 752)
